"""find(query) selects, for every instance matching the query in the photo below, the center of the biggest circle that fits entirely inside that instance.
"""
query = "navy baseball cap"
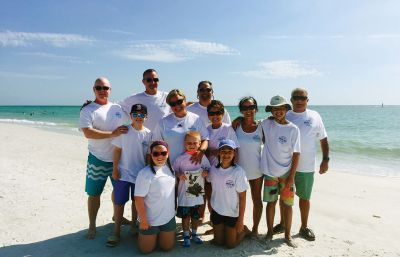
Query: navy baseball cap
(139, 108)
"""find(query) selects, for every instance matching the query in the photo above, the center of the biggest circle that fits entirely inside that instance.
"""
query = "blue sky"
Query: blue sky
(343, 52)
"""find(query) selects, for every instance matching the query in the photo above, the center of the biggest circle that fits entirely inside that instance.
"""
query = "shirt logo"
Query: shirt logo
(308, 123)
(256, 138)
(221, 138)
(118, 115)
(229, 184)
(282, 139)
(145, 144)
(179, 125)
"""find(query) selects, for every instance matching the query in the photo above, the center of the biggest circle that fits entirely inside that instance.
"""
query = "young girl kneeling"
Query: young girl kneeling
(155, 201)
(228, 197)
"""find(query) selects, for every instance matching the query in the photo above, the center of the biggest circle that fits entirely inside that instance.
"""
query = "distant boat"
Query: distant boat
(382, 105)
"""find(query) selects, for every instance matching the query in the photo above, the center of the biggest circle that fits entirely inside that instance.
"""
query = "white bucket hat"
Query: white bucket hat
(278, 101)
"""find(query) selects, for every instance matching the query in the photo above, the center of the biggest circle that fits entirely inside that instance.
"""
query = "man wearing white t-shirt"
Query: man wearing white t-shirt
(154, 99)
(99, 121)
(205, 93)
(311, 129)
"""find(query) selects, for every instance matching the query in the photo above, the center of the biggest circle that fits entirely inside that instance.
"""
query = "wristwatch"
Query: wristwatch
(325, 158)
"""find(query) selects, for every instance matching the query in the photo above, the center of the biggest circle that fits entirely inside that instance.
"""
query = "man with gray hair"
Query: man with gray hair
(100, 121)
(311, 129)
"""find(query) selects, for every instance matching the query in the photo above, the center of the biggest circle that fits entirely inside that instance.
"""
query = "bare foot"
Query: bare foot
(289, 242)
(268, 237)
(124, 221)
(246, 231)
(91, 233)
(209, 232)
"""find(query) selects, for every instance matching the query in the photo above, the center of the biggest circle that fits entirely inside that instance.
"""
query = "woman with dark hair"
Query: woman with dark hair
(155, 201)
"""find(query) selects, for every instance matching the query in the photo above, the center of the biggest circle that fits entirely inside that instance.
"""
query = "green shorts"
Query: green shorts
(153, 230)
(274, 187)
(304, 183)
(97, 173)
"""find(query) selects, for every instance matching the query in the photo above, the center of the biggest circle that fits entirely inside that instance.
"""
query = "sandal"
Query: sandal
(112, 241)
(278, 229)
(197, 239)
(307, 234)
(186, 241)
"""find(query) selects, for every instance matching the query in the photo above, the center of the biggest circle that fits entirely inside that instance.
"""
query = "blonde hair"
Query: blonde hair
(299, 90)
(193, 133)
(175, 92)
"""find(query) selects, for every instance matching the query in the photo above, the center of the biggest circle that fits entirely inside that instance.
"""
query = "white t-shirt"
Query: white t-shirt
(106, 117)
(216, 135)
(134, 145)
(311, 129)
(173, 130)
(202, 112)
(250, 151)
(281, 141)
(226, 185)
(157, 107)
(158, 191)
(182, 164)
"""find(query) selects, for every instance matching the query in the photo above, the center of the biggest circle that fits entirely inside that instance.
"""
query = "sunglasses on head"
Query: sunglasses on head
(215, 113)
(299, 97)
(149, 80)
(156, 154)
(98, 88)
(138, 115)
(247, 108)
(178, 102)
(205, 90)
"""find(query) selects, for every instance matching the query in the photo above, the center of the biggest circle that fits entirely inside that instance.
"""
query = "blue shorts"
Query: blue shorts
(153, 230)
(121, 191)
(97, 172)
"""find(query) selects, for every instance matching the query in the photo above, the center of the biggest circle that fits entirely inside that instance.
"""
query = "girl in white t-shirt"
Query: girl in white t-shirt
(191, 187)
(155, 201)
(228, 198)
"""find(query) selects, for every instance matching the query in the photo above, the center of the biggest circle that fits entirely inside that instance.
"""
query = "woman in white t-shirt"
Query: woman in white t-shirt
(174, 127)
(155, 201)
(250, 136)
(228, 198)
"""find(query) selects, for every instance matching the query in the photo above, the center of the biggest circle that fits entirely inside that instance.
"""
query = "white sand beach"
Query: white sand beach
(43, 208)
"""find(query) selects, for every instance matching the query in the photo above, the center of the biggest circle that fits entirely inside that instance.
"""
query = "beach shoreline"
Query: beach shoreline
(43, 208)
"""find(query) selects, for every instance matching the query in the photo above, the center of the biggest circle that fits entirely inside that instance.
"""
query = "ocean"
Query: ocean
(363, 139)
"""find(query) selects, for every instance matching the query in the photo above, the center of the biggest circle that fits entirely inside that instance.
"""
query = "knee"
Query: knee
(230, 245)
(167, 248)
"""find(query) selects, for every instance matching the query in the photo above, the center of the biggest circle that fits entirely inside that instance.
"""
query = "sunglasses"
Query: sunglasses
(299, 97)
(178, 102)
(205, 90)
(149, 80)
(156, 154)
(215, 113)
(98, 88)
(138, 115)
(248, 108)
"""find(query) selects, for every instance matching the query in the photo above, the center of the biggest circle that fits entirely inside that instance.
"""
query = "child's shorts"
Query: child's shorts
(275, 186)
(217, 219)
(96, 175)
(153, 230)
(185, 212)
(121, 191)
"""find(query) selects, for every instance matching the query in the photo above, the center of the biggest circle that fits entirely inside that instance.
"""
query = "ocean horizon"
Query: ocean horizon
(363, 139)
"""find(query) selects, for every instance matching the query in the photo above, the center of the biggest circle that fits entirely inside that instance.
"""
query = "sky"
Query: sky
(343, 52)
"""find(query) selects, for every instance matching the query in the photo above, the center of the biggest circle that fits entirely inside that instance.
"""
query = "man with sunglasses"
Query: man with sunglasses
(154, 99)
(205, 95)
(311, 128)
(100, 121)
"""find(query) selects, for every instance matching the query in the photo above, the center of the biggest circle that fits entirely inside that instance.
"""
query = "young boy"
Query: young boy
(279, 161)
(128, 159)
(191, 186)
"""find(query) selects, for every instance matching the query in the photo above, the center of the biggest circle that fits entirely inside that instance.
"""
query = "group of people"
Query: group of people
(173, 158)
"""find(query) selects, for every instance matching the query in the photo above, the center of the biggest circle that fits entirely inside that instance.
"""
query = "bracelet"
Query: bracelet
(325, 158)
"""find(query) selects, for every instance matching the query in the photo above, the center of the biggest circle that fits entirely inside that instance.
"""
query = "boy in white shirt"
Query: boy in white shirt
(279, 160)
(130, 153)
(191, 187)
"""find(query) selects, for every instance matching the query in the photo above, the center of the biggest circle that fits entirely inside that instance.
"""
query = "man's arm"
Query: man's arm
(323, 168)
(93, 133)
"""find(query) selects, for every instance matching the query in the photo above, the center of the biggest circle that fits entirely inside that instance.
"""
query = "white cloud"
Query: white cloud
(282, 69)
(174, 50)
(118, 31)
(16, 75)
(12, 38)
(71, 59)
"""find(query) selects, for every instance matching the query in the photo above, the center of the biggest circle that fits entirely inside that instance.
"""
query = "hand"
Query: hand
(182, 177)
(204, 173)
(289, 181)
(144, 225)
(239, 226)
(236, 122)
(196, 158)
(323, 168)
(115, 174)
(120, 130)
